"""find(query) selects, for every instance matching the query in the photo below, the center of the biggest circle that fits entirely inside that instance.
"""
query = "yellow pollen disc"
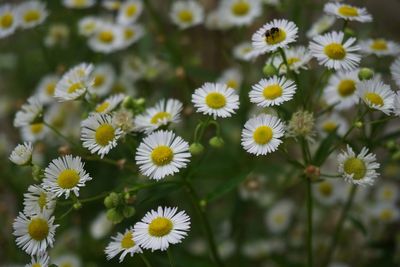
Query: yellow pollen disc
(36, 265)
(279, 218)
(102, 107)
(89, 26)
(232, 83)
(42, 200)
(262, 135)
(272, 91)
(159, 117)
(160, 226)
(329, 126)
(386, 215)
(292, 60)
(79, 3)
(6, 20)
(356, 167)
(106, 37)
(36, 128)
(98, 80)
(74, 87)
(31, 15)
(130, 10)
(127, 241)
(388, 194)
(240, 8)
(129, 33)
(50, 88)
(68, 179)
(325, 188)
(346, 87)
(348, 11)
(215, 100)
(374, 99)
(66, 264)
(335, 51)
(379, 44)
(185, 16)
(162, 155)
(38, 229)
(105, 133)
(276, 37)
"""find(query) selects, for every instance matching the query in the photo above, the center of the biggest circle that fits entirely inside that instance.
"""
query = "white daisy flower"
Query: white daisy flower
(321, 25)
(279, 216)
(8, 20)
(215, 99)
(74, 83)
(274, 35)
(46, 88)
(103, 77)
(107, 38)
(332, 123)
(396, 104)
(99, 134)
(109, 104)
(34, 233)
(87, 26)
(341, 90)
(124, 243)
(34, 132)
(100, 226)
(162, 153)
(132, 33)
(328, 192)
(31, 13)
(111, 5)
(65, 175)
(29, 112)
(395, 71)
(331, 52)
(245, 51)
(387, 192)
(262, 134)
(380, 47)
(347, 12)
(232, 77)
(158, 229)
(385, 212)
(163, 113)
(68, 260)
(37, 200)
(22, 154)
(240, 12)
(376, 95)
(297, 58)
(186, 14)
(358, 169)
(78, 4)
(129, 11)
(272, 91)
(41, 260)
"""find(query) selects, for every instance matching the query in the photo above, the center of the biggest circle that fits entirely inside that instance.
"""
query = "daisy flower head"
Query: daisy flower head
(376, 95)
(341, 90)
(65, 175)
(278, 33)
(110, 103)
(395, 71)
(396, 104)
(297, 58)
(328, 192)
(68, 260)
(358, 169)
(34, 233)
(245, 51)
(124, 243)
(232, 77)
(129, 11)
(216, 99)
(332, 123)
(103, 77)
(111, 5)
(132, 33)
(386, 212)
(387, 192)
(347, 12)
(321, 25)
(22, 154)
(99, 134)
(262, 134)
(380, 47)
(37, 200)
(8, 20)
(108, 38)
(31, 13)
(272, 91)
(34, 132)
(162, 153)
(240, 12)
(41, 260)
(78, 4)
(186, 14)
(88, 25)
(46, 88)
(163, 113)
(279, 216)
(158, 229)
(331, 52)
(29, 112)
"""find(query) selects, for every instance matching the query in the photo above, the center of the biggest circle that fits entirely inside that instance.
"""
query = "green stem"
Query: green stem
(309, 224)
(57, 132)
(170, 257)
(145, 260)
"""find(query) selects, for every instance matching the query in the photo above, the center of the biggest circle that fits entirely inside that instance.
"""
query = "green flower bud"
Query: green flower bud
(349, 32)
(270, 70)
(127, 102)
(365, 74)
(391, 144)
(216, 142)
(114, 215)
(112, 200)
(358, 124)
(108, 202)
(128, 211)
(196, 149)
(77, 205)
(396, 155)
(37, 173)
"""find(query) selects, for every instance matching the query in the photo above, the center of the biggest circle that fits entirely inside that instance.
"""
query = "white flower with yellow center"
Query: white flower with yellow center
(40, 260)
(376, 95)
(8, 20)
(107, 38)
(276, 34)
(331, 52)
(88, 25)
(321, 25)
(216, 99)
(297, 58)
(46, 88)
(158, 229)
(109, 104)
(132, 33)
(129, 11)
(380, 47)
(162, 153)
(111, 5)
(387, 192)
(279, 216)
(68, 260)
(29, 112)
(186, 14)
(163, 113)
(245, 51)
(103, 78)
(232, 78)
(358, 169)
(22, 154)
(100, 226)
(31, 13)
(396, 104)
(241, 12)
(341, 90)
(34, 132)
(79, 4)
(34, 233)
(74, 83)
(385, 212)
(332, 122)
(347, 12)
(65, 175)
(38, 200)
(99, 134)
(262, 134)
(124, 243)
(272, 92)
(395, 71)
(328, 192)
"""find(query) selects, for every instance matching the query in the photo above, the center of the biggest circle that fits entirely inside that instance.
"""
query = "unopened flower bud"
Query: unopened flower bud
(365, 74)
(349, 32)
(114, 216)
(312, 172)
(196, 149)
(270, 70)
(77, 205)
(37, 173)
(216, 142)
(358, 124)
(112, 200)
(128, 211)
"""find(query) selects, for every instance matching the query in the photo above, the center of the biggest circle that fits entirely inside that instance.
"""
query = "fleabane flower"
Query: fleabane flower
(297, 58)
(34, 234)
(272, 92)
(29, 112)
(328, 192)
(387, 192)
(129, 11)
(22, 154)
(232, 77)
(31, 13)
(347, 12)
(262, 134)
(8, 20)
(395, 71)
(78, 4)
(109, 104)
(103, 77)
(385, 212)
(379, 47)
(163, 113)
(376, 95)
(321, 25)
(216, 99)
(108, 38)
(158, 229)
(124, 243)
(333, 122)
(88, 25)
(358, 169)
(274, 35)
(131, 34)
(245, 51)
(186, 14)
(40, 260)
(38, 200)
(341, 90)
(46, 88)
(334, 52)
(240, 12)
(34, 132)
(279, 216)
(65, 175)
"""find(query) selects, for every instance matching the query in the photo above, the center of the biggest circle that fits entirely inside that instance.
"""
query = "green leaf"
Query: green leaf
(226, 187)
(358, 224)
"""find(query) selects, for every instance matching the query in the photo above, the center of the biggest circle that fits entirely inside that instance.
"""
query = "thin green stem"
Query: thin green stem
(145, 260)
(170, 258)
(57, 132)
(309, 224)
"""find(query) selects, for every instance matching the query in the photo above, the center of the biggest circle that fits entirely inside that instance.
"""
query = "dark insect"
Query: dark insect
(271, 33)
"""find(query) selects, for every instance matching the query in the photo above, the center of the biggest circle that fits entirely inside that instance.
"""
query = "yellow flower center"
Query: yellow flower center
(348, 11)
(159, 117)
(356, 167)
(66, 264)
(388, 194)
(374, 98)
(160, 226)
(38, 229)
(36, 265)
(129, 33)
(335, 51)
(127, 240)
(240, 8)
(130, 10)
(106, 37)
(79, 3)
(6, 20)
(232, 83)
(36, 128)
(102, 107)
(89, 26)
(50, 88)
(262, 135)
(379, 44)
(31, 15)
(68, 179)
(162, 155)
(346, 87)
(185, 15)
(386, 215)
(275, 37)
(279, 218)
(74, 87)
(105, 133)
(325, 188)
(292, 60)
(98, 80)
(42, 200)
(329, 126)
(272, 91)
(215, 100)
